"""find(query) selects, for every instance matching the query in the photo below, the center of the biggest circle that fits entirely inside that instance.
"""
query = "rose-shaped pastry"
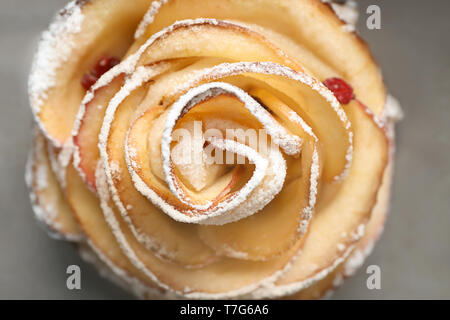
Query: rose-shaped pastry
(211, 149)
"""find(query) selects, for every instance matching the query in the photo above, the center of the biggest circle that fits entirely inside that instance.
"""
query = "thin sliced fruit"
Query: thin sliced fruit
(344, 208)
(325, 48)
(56, 107)
(48, 198)
(170, 239)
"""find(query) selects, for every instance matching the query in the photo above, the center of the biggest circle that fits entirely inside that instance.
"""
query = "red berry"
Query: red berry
(341, 89)
(104, 64)
(88, 81)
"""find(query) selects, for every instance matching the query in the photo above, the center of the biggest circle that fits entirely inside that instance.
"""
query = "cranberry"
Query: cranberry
(341, 89)
(102, 66)
(88, 81)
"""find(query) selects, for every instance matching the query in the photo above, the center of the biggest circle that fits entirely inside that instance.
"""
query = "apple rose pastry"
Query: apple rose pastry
(211, 149)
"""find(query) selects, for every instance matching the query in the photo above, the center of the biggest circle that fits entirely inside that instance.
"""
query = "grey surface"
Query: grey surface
(413, 49)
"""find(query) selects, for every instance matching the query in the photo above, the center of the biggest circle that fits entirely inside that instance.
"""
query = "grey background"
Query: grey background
(413, 49)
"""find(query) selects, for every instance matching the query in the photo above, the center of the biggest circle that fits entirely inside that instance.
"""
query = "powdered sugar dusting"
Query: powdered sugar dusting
(108, 269)
(102, 186)
(45, 206)
(275, 291)
(149, 17)
(112, 169)
(347, 12)
(392, 111)
(308, 210)
(315, 172)
(278, 133)
(270, 68)
(54, 49)
(294, 117)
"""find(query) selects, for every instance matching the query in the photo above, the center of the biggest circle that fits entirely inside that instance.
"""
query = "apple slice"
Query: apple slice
(318, 107)
(330, 125)
(284, 220)
(231, 276)
(211, 38)
(113, 238)
(277, 227)
(90, 121)
(80, 35)
(322, 45)
(161, 234)
(145, 161)
(121, 277)
(364, 247)
(344, 208)
(86, 207)
(49, 204)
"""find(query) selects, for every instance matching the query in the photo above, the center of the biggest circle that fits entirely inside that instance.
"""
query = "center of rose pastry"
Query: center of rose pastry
(224, 166)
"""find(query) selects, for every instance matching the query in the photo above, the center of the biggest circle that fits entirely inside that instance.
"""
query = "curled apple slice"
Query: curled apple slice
(87, 127)
(87, 210)
(344, 208)
(157, 231)
(282, 222)
(332, 131)
(49, 204)
(227, 210)
(316, 37)
(90, 116)
(279, 225)
(318, 107)
(231, 277)
(145, 164)
(355, 259)
(55, 81)
(236, 42)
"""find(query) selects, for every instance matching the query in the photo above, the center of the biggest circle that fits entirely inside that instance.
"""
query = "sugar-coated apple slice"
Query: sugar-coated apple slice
(47, 197)
(220, 39)
(330, 125)
(356, 257)
(77, 39)
(86, 207)
(326, 118)
(284, 220)
(323, 46)
(279, 225)
(344, 208)
(145, 158)
(90, 120)
(157, 231)
(231, 276)
(295, 221)
(145, 161)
